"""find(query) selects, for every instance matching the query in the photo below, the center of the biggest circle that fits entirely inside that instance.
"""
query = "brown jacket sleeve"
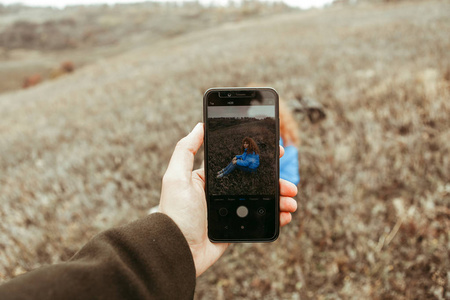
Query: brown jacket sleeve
(146, 259)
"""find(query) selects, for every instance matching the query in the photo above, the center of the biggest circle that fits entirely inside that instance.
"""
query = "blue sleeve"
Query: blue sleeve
(289, 166)
(243, 163)
(242, 156)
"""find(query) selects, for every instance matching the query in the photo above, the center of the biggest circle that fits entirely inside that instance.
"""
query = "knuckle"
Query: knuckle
(173, 179)
(185, 146)
(181, 143)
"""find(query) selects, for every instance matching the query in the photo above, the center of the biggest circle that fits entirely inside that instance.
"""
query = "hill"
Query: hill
(36, 40)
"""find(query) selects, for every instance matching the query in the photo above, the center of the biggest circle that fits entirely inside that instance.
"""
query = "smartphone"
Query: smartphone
(242, 164)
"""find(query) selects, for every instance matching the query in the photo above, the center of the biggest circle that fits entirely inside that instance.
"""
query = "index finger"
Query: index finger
(287, 189)
(182, 160)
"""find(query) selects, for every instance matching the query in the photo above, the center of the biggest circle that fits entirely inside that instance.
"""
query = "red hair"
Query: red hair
(252, 146)
(288, 126)
(289, 129)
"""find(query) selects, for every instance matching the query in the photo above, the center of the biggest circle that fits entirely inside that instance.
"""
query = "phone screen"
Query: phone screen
(241, 164)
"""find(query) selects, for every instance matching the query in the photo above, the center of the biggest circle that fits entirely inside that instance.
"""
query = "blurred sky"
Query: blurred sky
(61, 3)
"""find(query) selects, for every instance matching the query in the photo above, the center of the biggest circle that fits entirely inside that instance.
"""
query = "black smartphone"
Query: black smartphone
(242, 164)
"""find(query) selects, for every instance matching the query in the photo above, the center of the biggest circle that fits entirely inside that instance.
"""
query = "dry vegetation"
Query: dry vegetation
(36, 40)
(87, 151)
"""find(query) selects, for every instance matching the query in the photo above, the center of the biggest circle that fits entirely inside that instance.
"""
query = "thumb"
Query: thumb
(182, 160)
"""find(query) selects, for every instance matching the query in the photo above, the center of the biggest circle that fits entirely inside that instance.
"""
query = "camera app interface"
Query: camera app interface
(242, 163)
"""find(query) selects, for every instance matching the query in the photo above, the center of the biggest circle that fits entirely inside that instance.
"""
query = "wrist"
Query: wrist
(197, 258)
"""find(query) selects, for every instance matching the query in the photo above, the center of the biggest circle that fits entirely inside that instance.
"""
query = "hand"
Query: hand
(234, 160)
(183, 199)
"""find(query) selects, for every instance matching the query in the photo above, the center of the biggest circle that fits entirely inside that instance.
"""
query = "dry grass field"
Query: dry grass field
(36, 40)
(87, 151)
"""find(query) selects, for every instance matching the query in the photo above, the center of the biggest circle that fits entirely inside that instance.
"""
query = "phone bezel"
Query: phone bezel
(277, 191)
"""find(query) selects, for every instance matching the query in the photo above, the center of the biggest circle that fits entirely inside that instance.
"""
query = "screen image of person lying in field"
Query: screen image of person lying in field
(248, 161)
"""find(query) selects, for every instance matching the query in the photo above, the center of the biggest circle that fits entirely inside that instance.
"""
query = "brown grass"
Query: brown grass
(37, 40)
(88, 151)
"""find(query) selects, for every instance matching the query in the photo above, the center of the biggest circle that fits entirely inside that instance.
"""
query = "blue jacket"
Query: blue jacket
(248, 160)
(289, 167)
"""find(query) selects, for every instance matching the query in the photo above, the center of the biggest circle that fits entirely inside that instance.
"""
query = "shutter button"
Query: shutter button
(242, 211)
